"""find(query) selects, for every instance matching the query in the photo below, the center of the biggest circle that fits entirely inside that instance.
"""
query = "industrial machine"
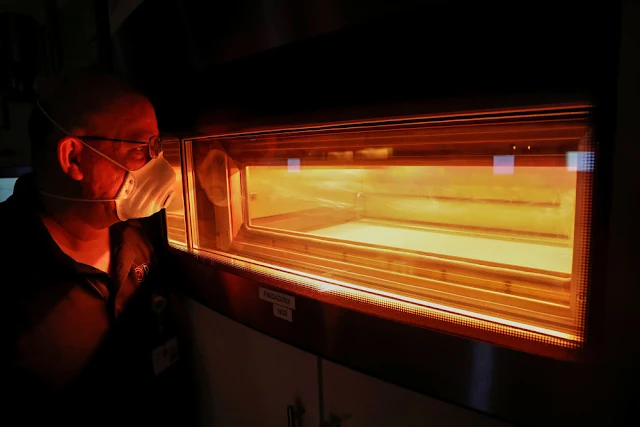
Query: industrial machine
(441, 199)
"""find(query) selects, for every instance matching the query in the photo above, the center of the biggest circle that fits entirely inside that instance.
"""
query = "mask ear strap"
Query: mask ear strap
(73, 199)
(51, 120)
(66, 132)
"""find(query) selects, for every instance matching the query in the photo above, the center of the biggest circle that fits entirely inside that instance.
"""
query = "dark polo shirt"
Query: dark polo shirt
(78, 342)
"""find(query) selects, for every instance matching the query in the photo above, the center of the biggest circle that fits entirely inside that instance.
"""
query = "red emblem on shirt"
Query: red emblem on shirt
(141, 271)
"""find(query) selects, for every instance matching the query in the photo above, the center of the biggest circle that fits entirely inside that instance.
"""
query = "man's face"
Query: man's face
(101, 178)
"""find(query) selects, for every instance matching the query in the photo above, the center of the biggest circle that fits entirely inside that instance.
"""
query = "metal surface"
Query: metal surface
(512, 385)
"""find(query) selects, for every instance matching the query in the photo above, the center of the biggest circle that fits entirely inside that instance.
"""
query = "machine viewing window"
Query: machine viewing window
(483, 218)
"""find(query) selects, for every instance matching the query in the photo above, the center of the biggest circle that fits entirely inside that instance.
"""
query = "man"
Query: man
(84, 319)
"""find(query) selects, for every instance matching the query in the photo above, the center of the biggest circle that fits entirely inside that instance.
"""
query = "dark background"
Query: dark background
(252, 57)
(258, 58)
(269, 60)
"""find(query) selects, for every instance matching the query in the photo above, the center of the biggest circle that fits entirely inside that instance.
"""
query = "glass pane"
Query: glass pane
(485, 215)
(175, 215)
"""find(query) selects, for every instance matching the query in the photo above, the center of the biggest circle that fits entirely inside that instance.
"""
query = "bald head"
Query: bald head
(87, 102)
(107, 125)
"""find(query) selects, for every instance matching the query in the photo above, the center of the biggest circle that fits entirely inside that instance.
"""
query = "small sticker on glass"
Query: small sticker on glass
(580, 161)
(293, 165)
(503, 165)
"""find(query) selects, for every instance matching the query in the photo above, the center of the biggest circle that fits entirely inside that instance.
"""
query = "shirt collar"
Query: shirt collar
(42, 247)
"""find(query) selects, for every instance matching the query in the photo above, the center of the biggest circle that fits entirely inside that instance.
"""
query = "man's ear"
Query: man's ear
(69, 151)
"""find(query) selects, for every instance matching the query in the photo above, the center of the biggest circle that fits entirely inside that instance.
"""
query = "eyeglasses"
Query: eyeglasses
(154, 143)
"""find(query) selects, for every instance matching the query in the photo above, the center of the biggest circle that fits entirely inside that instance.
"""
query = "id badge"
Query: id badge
(165, 356)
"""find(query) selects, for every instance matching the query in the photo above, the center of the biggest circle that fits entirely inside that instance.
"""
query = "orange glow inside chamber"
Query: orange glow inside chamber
(482, 220)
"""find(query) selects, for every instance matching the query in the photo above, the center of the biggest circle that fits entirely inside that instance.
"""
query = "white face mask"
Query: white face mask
(143, 192)
(147, 190)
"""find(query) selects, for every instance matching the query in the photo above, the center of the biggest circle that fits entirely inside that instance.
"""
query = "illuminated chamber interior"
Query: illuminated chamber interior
(484, 216)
